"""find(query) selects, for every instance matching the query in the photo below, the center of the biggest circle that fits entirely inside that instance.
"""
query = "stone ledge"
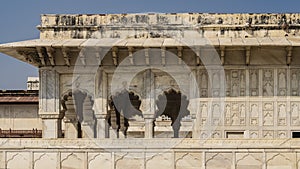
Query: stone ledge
(148, 144)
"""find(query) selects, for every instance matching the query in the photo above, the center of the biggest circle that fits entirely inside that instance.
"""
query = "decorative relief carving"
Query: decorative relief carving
(18, 160)
(268, 83)
(228, 83)
(268, 134)
(72, 160)
(203, 84)
(268, 115)
(239, 108)
(280, 160)
(204, 135)
(242, 83)
(294, 113)
(235, 119)
(235, 114)
(254, 114)
(216, 114)
(295, 82)
(227, 114)
(99, 159)
(216, 110)
(249, 160)
(204, 112)
(162, 160)
(216, 134)
(129, 161)
(235, 89)
(282, 134)
(254, 134)
(242, 111)
(235, 83)
(216, 84)
(188, 160)
(44, 160)
(282, 82)
(282, 114)
(254, 82)
(219, 160)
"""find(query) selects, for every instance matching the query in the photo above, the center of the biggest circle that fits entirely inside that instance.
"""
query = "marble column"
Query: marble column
(70, 119)
(49, 100)
(51, 123)
(100, 105)
(88, 123)
(149, 127)
(148, 103)
(194, 101)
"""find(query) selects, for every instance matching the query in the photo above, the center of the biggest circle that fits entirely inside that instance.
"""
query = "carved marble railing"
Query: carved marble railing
(148, 153)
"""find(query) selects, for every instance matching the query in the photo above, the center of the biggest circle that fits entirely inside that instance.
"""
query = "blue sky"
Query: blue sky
(20, 18)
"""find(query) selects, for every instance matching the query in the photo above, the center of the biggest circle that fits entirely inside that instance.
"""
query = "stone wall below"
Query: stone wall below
(149, 153)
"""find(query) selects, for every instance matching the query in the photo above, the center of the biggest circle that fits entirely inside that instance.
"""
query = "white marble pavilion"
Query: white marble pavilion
(186, 90)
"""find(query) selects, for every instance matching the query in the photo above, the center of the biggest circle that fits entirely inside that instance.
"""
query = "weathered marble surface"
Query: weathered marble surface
(122, 154)
(176, 24)
(245, 68)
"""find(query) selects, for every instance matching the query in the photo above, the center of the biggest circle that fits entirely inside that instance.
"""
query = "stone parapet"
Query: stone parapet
(149, 153)
(158, 25)
(187, 19)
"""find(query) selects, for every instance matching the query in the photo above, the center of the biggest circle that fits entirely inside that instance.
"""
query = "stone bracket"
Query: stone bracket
(51, 52)
(222, 48)
(248, 54)
(289, 50)
(82, 57)
(147, 59)
(163, 56)
(31, 56)
(66, 56)
(198, 55)
(179, 54)
(115, 55)
(98, 56)
(130, 51)
(41, 55)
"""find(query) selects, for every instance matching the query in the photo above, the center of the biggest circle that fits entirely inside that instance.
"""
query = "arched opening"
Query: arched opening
(173, 104)
(77, 109)
(123, 105)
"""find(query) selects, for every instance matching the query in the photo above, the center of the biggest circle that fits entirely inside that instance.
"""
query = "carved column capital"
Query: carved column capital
(148, 116)
(100, 116)
(50, 115)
